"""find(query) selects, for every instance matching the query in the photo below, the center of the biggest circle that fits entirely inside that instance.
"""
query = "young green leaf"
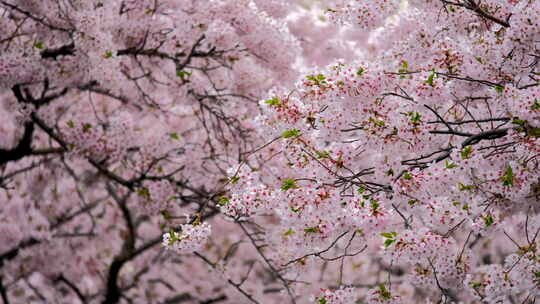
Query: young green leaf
(508, 177)
(536, 105)
(39, 45)
(274, 102)
(223, 201)
(234, 179)
(407, 175)
(430, 80)
(322, 300)
(291, 133)
(288, 183)
(289, 232)
(312, 230)
(466, 152)
(388, 242)
(488, 220)
(449, 165)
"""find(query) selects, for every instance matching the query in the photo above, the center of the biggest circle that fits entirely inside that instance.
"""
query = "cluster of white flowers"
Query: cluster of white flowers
(189, 239)
(339, 296)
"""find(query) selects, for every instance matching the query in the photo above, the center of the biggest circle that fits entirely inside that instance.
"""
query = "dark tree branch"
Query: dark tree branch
(41, 20)
(12, 253)
(113, 292)
(268, 262)
(491, 134)
(73, 287)
(214, 300)
(3, 292)
(65, 50)
(23, 148)
(473, 6)
(237, 286)
(318, 253)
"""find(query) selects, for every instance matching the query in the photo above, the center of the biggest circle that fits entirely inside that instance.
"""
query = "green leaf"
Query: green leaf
(174, 136)
(499, 89)
(407, 175)
(39, 45)
(463, 187)
(108, 55)
(412, 202)
(519, 122)
(143, 192)
(295, 209)
(360, 71)
(415, 117)
(291, 133)
(312, 230)
(466, 152)
(361, 189)
(274, 102)
(536, 105)
(288, 183)
(361, 203)
(86, 127)
(176, 236)
(533, 132)
(323, 154)
(376, 122)
(404, 69)
(374, 205)
(405, 64)
(318, 79)
(476, 285)
(322, 300)
(449, 165)
(166, 214)
(508, 177)
(430, 80)
(71, 124)
(384, 293)
(289, 232)
(390, 238)
(479, 59)
(183, 74)
(389, 235)
(234, 179)
(388, 242)
(223, 201)
(488, 220)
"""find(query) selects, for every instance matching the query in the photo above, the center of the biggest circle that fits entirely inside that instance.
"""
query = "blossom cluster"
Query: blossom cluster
(189, 238)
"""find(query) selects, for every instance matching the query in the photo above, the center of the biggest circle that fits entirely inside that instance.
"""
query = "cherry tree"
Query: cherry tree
(266, 151)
